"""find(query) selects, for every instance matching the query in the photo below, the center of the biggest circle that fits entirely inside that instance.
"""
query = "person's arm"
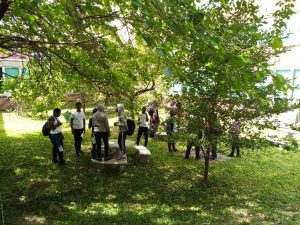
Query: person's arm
(72, 119)
(107, 126)
(84, 125)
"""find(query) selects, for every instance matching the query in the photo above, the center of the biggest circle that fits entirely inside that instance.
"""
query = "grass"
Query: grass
(262, 187)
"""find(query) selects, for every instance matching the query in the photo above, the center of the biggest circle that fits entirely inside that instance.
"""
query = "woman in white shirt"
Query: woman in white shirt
(143, 127)
(78, 127)
(56, 137)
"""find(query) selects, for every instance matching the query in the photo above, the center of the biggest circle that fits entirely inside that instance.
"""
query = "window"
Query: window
(12, 72)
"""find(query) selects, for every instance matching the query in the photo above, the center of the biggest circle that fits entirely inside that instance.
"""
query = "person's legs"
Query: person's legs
(121, 143)
(94, 149)
(80, 140)
(104, 136)
(54, 149)
(146, 135)
(77, 140)
(188, 151)
(214, 151)
(56, 140)
(232, 150)
(238, 151)
(197, 148)
(98, 144)
(140, 131)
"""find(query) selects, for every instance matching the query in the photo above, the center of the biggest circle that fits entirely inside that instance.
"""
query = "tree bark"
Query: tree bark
(4, 4)
(206, 165)
(131, 108)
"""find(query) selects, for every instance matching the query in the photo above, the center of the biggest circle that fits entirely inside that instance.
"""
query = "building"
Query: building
(11, 65)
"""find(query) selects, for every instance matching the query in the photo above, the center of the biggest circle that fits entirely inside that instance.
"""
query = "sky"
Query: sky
(268, 7)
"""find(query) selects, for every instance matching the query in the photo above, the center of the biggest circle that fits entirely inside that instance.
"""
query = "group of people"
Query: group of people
(101, 132)
(194, 135)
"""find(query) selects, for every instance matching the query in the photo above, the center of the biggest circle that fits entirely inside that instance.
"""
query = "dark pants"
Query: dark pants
(101, 136)
(94, 149)
(142, 130)
(56, 140)
(78, 140)
(233, 147)
(188, 151)
(121, 141)
(214, 150)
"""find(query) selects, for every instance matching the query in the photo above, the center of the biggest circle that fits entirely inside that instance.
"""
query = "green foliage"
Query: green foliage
(259, 188)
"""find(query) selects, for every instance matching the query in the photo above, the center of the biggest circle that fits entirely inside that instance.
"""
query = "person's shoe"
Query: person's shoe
(230, 155)
(238, 156)
(212, 158)
(186, 157)
(175, 150)
(198, 158)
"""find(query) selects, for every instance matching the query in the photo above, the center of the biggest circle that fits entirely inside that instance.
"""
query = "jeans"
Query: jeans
(142, 130)
(101, 136)
(56, 141)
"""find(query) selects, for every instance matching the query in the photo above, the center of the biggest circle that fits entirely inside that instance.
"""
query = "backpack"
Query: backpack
(45, 129)
(131, 127)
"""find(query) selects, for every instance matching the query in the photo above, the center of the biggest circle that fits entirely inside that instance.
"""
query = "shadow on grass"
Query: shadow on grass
(168, 191)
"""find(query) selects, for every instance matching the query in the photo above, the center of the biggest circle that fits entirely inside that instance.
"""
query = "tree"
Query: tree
(222, 52)
(86, 47)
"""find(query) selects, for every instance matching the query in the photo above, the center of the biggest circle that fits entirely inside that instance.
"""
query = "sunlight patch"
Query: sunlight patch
(15, 125)
(111, 209)
(35, 219)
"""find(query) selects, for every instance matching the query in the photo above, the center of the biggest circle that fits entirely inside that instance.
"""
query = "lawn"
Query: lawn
(261, 187)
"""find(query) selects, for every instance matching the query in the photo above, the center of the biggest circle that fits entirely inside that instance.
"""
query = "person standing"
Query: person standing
(123, 128)
(171, 128)
(143, 127)
(235, 136)
(102, 132)
(56, 137)
(154, 119)
(78, 127)
(194, 138)
(93, 138)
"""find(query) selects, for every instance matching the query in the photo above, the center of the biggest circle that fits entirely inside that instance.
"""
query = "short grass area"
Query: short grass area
(261, 187)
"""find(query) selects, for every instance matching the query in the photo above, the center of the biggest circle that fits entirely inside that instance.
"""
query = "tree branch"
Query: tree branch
(146, 89)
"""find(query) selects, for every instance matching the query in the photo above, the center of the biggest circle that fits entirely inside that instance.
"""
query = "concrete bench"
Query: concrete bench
(114, 147)
(111, 166)
(143, 154)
